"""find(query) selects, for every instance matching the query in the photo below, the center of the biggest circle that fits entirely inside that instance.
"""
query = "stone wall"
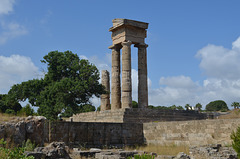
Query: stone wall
(194, 133)
(18, 130)
(41, 131)
(135, 115)
(95, 134)
(111, 116)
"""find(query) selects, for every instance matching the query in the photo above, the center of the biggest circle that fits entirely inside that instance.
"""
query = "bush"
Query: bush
(217, 105)
(10, 111)
(235, 136)
(99, 108)
(27, 110)
(28, 145)
(14, 153)
(134, 104)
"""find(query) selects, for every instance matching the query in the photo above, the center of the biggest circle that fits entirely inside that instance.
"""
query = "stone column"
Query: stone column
(115, 83)
(105, 98)
(126, 75)
(142, 76)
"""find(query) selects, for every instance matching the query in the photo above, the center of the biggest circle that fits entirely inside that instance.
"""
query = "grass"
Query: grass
(235, 113)
(9, 152)
(8, 117)
(171, 150)
(5, 117)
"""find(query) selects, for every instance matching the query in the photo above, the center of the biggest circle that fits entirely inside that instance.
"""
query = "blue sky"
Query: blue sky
(193, 54)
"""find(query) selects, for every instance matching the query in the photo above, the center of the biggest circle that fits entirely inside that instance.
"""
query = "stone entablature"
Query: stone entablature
(128, 30)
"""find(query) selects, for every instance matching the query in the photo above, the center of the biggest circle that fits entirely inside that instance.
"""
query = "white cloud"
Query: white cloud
(179, 90)
(227, 90)
(219, 62)
(236, 45)
(11, 31)
(15, 69)
(6, 6)
(83, 57)
(95, 101)
(221, 67)
(101, 63)
(178, 82)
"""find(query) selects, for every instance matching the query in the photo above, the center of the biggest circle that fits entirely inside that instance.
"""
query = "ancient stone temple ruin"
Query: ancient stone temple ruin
(126, 33)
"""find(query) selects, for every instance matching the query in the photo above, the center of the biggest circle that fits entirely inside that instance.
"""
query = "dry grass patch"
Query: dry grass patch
(233, 114)
(171, 150)
(8, 117)
(5, 117)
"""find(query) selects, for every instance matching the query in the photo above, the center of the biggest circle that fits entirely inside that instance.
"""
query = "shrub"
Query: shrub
(27, 110)
(235, 136)
(28, 145)
(134, 104)
(10, 111)
(13, 153)
(99, 108)
(217, 105)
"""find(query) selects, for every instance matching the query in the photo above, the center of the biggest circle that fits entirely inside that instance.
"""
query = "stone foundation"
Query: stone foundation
(94, 134)
(192, 133)
(136, 115)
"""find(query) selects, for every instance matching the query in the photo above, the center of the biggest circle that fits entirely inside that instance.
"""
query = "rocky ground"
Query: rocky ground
(58, 150)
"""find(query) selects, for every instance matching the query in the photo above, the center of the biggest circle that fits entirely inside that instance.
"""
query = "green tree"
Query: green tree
(173, 107)
(27, 110)
(151, 107)
(134, 104)
(187, 106)
(218, 105)
(11, 105)
(99, 108)
(235, 105)
(198, 106)
(180, 107)
(66, 87)
(3, 107)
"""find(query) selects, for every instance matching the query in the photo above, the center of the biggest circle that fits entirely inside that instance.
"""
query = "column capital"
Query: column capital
(141, 45)
(115, 46)
(127, 43)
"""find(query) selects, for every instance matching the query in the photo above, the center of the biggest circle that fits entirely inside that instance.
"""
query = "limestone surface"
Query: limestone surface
(19, 130)
(105, 98)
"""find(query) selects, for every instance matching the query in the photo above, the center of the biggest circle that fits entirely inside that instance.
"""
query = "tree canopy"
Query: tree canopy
(217, 105)
(188, 107)
(199, 106)
(66, 87)
(235, 105)
(9, 105)
(134, 104)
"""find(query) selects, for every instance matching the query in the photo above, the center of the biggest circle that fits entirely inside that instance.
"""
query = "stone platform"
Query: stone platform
(136, 115)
